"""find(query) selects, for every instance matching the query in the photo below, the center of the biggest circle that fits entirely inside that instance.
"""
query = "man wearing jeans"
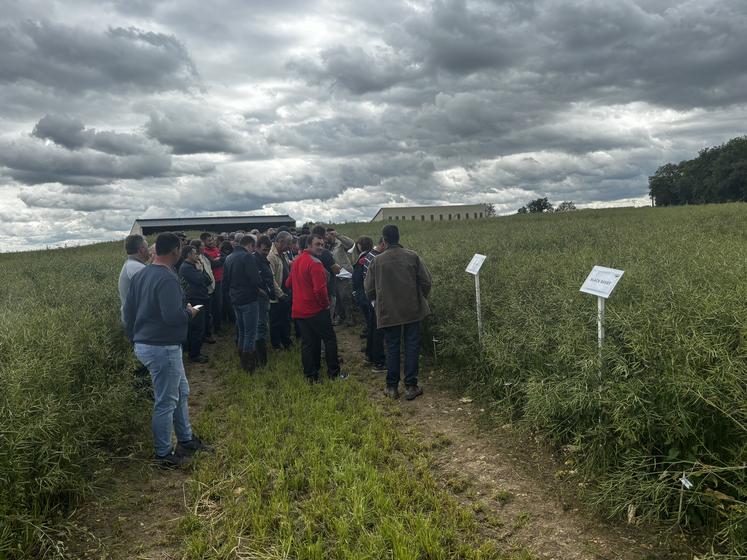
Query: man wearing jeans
(398, 283)
(156, 322)
(241, 279)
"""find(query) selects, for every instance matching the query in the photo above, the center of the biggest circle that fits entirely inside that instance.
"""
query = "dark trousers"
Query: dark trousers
(280, 323)
(196, 330)
(314, 331)
(229, 314)
(365, 306)
(374, 340)
(410, 332)
(216, 308)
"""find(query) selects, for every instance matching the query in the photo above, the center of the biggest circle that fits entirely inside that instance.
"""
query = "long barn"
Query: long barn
(215, 224)
(430, 213)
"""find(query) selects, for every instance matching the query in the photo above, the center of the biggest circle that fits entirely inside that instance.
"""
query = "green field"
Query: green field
(670, 395)
(667, 399)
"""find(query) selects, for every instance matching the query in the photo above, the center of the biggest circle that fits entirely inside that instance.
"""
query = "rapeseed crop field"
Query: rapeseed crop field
(665, 403)
(668, 400)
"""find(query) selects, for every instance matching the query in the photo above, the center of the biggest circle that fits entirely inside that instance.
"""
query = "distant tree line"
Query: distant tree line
(718, 174)
(542, 205)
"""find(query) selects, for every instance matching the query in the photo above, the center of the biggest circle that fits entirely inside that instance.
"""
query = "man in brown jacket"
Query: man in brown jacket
(398, 283)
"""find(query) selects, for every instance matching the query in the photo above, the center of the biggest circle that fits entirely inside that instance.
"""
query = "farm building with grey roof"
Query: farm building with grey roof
(210, 223)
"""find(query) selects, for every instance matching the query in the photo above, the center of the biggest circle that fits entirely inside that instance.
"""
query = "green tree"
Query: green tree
(718, 174)
(663, 185)
(539, 206)
(566, 206)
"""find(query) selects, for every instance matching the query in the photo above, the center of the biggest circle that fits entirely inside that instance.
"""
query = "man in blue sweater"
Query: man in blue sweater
(156, 321)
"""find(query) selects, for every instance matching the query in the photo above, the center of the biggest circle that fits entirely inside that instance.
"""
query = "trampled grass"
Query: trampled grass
(317, 472)
(670, 397)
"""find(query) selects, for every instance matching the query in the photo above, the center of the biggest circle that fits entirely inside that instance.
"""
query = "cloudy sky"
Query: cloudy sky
(326, 110)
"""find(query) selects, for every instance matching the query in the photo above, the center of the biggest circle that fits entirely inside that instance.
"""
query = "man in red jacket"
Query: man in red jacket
(308, 282)
(217, 260)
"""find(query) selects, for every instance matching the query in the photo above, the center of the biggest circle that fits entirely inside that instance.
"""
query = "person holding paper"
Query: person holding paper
(398, 282)
(156, 321)
(195, 283)
(339, 245)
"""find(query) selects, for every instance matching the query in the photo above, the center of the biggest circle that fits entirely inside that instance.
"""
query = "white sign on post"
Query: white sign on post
(474, 268)
(600, 282)
(475, 264)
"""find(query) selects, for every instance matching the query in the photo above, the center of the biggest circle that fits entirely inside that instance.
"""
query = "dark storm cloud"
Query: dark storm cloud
(193, 130)
(328, 110)
(72, 134)
(80, 156)
(74, 59)
(32, 162)
(355, 69)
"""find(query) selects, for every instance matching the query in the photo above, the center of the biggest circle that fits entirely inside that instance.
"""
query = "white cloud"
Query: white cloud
(329, 109)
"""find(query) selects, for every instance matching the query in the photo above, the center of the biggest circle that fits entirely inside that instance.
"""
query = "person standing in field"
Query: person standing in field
(328, 262)
(263, 301)
(280, 300)
(339, 245)
(398, 283)
(226, 248)
(138, 256)
(363, 246)
(308, 282)
(374, 335)
(241, 279)
(213, 254)
(195, 283)
(207, 335)
(156, 321)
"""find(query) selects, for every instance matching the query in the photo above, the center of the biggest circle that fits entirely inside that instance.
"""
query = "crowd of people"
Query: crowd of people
(280, 288)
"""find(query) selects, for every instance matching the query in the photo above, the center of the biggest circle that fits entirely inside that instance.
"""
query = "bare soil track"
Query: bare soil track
(508, 481)
(499, 473)
(137, 511)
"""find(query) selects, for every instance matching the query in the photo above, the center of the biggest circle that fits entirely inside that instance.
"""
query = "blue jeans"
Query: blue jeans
(411, 334)
(263, 322)
(246, 325)
(170, 391)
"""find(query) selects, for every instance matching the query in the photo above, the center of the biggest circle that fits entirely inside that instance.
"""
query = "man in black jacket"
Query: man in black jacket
(263, 302)
(241, 280)
(195, 282)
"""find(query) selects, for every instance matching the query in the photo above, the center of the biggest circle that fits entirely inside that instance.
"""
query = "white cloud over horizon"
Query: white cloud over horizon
(327, 109)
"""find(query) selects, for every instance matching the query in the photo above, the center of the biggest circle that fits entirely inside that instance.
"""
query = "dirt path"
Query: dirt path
(136, 513)
(501, 475)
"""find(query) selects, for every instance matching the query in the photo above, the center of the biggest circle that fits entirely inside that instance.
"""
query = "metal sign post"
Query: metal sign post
(600, 322)
(474, 268)
(600, 282)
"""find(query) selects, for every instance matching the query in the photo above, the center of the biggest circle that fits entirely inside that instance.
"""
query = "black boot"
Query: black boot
(261, 347)
(249, 361)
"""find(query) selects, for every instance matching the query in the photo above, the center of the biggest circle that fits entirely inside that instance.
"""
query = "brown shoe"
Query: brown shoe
(391, 392)
(412, 392)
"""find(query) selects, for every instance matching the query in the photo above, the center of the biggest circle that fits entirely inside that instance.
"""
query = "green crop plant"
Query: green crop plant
(65, 389)
(669, 396)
